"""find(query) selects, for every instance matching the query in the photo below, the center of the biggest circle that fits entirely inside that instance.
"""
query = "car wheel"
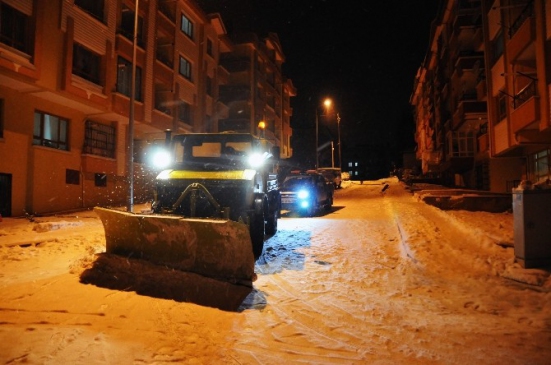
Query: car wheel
(312, 212)
(329, 203)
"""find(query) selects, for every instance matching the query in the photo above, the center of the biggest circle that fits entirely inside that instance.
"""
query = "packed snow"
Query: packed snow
(383, 278)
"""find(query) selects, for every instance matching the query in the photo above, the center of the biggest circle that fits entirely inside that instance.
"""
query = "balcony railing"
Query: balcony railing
(526, 13)
(525, 94)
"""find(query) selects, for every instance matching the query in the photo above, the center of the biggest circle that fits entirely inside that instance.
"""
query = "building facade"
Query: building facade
(481, 97)
(67, 72)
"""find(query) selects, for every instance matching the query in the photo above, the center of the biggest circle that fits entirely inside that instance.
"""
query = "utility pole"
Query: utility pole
(130, 151)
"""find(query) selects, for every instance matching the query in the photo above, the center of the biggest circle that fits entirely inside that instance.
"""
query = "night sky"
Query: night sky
(364, 55)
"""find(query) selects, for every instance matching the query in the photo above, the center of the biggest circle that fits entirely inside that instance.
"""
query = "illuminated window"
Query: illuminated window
(50, 131)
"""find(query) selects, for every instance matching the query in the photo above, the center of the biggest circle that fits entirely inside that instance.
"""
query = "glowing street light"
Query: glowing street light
(327, 103)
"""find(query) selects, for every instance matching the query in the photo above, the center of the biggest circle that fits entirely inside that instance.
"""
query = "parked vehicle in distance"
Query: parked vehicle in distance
(333, 174)
(345, 175)
(306, 193)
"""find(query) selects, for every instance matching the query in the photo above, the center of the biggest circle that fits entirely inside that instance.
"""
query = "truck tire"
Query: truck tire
(271, 223)
(257, 231)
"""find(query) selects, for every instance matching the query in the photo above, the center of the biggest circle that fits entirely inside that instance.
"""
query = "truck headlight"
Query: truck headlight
(161, 159)
(257, 159)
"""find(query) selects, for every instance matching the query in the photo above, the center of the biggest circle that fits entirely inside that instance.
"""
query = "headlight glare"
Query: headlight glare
(303, 194)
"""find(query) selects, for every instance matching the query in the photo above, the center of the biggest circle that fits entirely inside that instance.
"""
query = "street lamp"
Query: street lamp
(339, 138)
(130, 151)
(327, 103)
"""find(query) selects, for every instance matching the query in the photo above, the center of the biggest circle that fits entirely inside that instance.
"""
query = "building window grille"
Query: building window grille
(93, 7)
(86, 64)
(50, 131)
(185, 68)
(124, 78)
(187, 26)
(15, 29)
(99, 139)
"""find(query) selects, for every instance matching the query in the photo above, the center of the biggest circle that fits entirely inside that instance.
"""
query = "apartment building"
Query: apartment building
(481, 97)
(257, 90)
(66, 76)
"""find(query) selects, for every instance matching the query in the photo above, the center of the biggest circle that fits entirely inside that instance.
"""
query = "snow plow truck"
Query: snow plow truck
(214, 201)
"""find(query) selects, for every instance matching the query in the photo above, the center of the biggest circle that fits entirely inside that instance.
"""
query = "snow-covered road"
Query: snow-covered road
(381, 279)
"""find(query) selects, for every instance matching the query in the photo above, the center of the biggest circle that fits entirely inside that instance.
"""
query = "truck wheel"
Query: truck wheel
(257, 233)
(271, 223)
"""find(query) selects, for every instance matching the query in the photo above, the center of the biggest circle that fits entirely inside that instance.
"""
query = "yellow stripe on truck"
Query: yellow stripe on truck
(209, 175)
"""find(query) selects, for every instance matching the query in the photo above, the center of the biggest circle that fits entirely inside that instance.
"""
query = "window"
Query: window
(184, 112)
(15, 29)
(187, 26)
(209, 47)
(461, 144)
(72, 177)
(100, 180)
(497, 47)
(1, 118)
(127, 26)
(86, 64)
(185, 68)
(124, 78)
(209, 86)
(99, 139)
(501, 103)
(50, 131)
(93, 7)
(540, 165)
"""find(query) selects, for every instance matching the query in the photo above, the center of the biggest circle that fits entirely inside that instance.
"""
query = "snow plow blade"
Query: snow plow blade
(213, 248)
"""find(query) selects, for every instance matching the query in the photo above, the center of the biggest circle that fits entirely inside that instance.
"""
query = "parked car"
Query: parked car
(333, 174)
(345, 175)
(306, 193)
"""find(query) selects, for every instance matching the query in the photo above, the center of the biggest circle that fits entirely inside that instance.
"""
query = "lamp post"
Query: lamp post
(130, 151)
(327, 103)
(339, 139)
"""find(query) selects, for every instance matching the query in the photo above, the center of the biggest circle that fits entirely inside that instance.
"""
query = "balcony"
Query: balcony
(522, 38)
(526, 116)
(465, 110)
(229, 93)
